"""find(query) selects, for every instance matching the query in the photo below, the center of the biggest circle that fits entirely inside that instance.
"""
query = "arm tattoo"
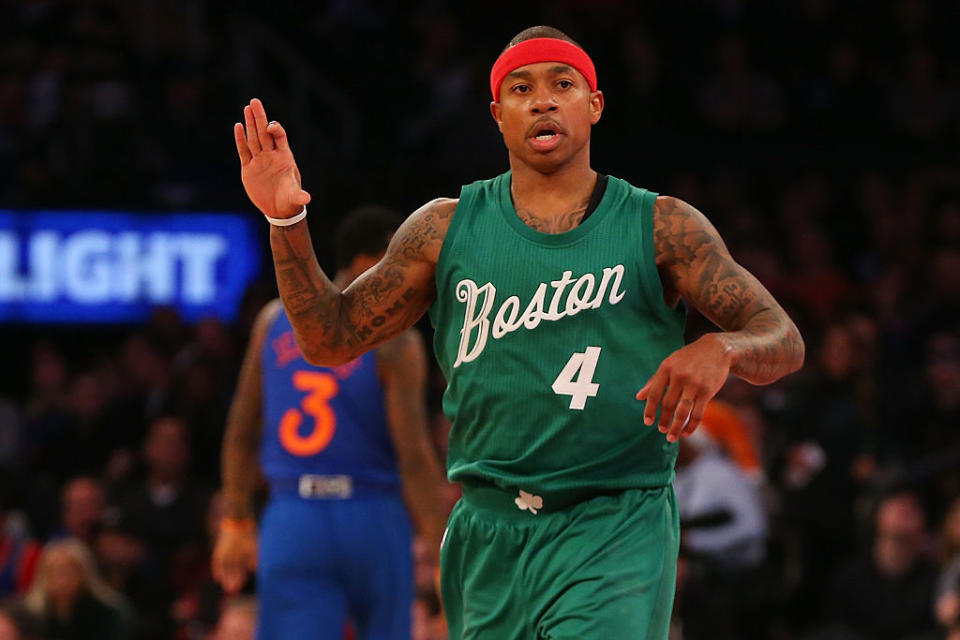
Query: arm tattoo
(554, 224)
(333, 326)
(696, 264)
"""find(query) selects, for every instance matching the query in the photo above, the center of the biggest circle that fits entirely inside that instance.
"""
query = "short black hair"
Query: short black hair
(366, 230)
(541, 31)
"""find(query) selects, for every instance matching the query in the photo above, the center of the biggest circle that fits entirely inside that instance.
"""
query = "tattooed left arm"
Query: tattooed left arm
(759, 342)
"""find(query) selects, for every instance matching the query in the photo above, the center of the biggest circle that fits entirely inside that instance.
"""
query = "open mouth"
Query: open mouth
(545, 135)
(545, 131)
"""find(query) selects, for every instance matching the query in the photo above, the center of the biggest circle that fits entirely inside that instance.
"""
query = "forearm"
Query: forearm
(312, 302)
(767, 348)
(423, 482)
(239, 463)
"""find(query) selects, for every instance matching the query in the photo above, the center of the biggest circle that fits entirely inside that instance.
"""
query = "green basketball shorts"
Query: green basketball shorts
(518, 566)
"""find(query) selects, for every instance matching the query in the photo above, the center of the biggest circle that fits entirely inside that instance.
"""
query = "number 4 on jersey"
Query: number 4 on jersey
(583, 387)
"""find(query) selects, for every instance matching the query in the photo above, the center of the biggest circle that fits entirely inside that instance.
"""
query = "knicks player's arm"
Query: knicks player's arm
(235, 551)
(241, 440)
(759, 342)
(332, 326)
(402, 364)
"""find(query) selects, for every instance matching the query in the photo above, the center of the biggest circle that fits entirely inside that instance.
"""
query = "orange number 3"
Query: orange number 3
(322, 387)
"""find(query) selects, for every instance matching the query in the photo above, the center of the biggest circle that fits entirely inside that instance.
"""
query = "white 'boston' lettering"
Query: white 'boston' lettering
(609, 272)
(469, 292)
(559, 285)
(577, 301)
(476, 324)
(534, 313)
(502, 325)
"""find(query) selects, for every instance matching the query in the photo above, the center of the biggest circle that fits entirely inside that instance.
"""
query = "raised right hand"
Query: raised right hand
(267, 168)
(234, 556)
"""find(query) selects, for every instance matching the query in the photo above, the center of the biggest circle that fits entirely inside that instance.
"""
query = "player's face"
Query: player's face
(545, 113)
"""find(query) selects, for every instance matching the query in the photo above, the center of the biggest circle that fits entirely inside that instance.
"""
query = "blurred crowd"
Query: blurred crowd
(818, 140)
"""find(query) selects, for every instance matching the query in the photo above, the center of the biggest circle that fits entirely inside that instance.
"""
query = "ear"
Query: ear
(596, 106)
(497, 112)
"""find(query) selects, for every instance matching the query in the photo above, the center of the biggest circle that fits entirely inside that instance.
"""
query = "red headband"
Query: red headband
(541, 50)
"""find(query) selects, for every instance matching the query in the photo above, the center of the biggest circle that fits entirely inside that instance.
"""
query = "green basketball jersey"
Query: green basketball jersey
(545, 340)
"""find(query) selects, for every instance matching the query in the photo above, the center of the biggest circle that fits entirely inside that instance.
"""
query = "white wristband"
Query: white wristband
(286, 222)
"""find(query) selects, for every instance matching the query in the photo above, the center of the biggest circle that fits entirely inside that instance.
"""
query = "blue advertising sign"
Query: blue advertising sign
(109, 267)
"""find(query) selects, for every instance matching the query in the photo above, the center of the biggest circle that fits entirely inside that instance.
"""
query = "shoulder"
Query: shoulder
(268, 313)
(433, 216)
(422, 233)
(681, 232)
(265, 318)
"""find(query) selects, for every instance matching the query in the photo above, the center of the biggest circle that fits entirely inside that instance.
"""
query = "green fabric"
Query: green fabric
(515, 308)
(602, 569)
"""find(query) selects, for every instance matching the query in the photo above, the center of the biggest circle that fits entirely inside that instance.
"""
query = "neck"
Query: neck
(553, 192)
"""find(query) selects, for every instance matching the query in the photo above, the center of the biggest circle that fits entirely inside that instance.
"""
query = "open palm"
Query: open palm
(267, 168)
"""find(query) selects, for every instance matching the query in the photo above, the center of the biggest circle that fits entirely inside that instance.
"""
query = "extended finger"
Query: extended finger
(668, 406)
(260, 117)
(275, 129)
(253, 142)
(696, 415)
(652, 392)
(242, 150)
(681, 417)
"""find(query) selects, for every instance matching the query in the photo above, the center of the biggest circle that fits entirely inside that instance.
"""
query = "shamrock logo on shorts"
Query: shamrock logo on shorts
(528, 501)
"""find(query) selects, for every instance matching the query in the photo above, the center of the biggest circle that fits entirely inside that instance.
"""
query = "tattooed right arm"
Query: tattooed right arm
(333, 327)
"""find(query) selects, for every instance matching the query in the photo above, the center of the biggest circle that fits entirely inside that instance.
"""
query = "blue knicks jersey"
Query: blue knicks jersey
(322, 420)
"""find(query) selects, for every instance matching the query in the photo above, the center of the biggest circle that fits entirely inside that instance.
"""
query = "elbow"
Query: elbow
(323, 357)
(799, 350)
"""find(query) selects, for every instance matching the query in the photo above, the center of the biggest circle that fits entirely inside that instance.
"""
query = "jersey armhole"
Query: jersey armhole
(468, 194)
(651, 275)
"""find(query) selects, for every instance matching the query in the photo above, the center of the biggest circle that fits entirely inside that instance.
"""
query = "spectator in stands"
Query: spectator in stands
(71, 597)
(200, 597)
(19, 555)
(81, 508)
(733, 436)
(166, 509)
(46, 418)
(129, 568)
(723, 543)
(825, 425)
(887, 595)
(948, 586)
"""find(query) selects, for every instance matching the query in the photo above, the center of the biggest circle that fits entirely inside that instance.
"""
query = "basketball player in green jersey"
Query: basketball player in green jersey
(555, 292)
